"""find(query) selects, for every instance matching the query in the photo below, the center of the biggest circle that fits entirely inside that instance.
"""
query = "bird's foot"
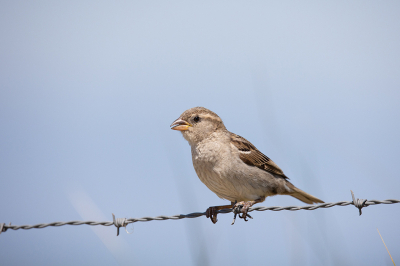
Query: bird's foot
(211, 213)
(242, 208)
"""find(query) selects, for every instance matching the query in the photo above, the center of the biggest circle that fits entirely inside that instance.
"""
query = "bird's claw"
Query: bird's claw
(242, 209)
(211, 213)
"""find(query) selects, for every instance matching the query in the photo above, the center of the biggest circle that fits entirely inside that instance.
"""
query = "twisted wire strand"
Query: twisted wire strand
(122, 222)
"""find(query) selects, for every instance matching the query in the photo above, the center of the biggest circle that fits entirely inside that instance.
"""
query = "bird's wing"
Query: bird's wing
(250, 155)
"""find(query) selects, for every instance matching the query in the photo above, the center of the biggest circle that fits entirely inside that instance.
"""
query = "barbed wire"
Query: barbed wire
(123, 222)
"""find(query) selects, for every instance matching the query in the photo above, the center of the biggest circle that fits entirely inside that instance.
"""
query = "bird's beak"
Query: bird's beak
(180, 125)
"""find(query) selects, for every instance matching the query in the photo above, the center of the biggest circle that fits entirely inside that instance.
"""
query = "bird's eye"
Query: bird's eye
(196, 118)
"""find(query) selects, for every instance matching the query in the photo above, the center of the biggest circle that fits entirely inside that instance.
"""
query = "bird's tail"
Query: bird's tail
(303, 196)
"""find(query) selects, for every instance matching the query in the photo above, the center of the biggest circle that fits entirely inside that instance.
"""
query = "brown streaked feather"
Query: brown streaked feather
(250, 155)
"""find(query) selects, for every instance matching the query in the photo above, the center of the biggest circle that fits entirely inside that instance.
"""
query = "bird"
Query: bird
(230, 166)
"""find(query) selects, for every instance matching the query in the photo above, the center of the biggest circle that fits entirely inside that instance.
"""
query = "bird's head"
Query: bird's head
(197, 124)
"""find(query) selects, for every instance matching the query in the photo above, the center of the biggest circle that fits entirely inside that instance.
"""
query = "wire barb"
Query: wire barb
(359, 203)
(120, 222)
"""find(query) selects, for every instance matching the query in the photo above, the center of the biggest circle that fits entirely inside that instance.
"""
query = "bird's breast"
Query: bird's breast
(218, 168)
(209, 160)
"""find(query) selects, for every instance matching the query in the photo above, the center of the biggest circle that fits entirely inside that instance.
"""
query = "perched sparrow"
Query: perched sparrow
(230, 166)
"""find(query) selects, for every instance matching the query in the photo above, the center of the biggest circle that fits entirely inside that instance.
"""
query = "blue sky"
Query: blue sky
(88, 90)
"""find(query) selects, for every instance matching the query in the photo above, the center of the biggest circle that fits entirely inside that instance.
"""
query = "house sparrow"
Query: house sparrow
(232, 167)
